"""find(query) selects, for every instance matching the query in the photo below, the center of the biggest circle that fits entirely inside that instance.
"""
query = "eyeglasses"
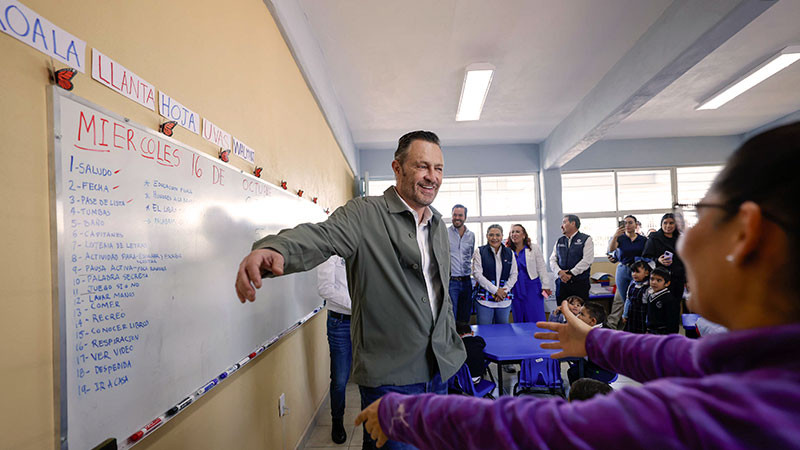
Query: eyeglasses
(730, 208)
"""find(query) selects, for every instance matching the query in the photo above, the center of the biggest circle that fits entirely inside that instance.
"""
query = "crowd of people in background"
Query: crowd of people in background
(510, 275)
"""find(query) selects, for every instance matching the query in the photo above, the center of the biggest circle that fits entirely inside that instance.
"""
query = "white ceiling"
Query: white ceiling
(398, 66)
(672, 112)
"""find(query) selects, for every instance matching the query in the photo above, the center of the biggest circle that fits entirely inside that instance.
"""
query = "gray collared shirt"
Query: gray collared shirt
(396, 340)
(461, 248)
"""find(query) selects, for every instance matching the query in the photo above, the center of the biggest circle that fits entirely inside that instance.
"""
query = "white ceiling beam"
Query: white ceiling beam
(303, 44)
(683, 35)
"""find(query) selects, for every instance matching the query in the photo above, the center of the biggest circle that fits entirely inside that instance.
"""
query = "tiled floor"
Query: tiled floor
(321, 435)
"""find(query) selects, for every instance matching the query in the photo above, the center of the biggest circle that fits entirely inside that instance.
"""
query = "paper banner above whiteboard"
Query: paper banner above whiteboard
(21, 22)
(122, 80)
(241, 150)
(173, 110)
(216, 135)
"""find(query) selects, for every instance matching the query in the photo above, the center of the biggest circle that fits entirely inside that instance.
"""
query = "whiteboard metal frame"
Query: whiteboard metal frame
(54, 95)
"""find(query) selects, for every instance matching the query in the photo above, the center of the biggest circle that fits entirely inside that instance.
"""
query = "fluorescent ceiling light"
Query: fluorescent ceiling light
(473, 92)
(775, 64)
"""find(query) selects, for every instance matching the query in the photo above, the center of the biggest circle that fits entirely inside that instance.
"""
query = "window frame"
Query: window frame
(480, 219)
(674, 191)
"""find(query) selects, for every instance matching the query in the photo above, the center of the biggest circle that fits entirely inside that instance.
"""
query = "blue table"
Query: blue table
(511, 343)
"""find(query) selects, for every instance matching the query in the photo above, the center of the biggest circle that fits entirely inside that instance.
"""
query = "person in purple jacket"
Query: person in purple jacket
(735, 390)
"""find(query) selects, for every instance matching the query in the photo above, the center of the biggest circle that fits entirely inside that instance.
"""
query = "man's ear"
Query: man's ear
(396, 167)
(666, 283)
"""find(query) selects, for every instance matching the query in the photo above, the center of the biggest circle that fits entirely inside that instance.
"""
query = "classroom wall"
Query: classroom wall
(465, 160)
(227, 62)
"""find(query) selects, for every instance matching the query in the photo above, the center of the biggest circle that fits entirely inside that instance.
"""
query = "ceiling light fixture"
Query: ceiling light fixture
(768, 68)
(477, 80)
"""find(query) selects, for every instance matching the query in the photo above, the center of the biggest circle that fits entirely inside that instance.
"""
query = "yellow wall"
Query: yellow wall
(227, 61)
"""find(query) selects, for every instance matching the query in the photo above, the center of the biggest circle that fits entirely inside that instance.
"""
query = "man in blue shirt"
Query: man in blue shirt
(462, 245)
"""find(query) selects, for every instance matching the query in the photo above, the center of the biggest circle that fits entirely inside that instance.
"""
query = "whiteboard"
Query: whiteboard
(150, 234)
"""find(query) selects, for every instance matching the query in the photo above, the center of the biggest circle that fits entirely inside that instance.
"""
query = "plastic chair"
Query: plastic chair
(689, 322)
(539, 373)
(462, 382)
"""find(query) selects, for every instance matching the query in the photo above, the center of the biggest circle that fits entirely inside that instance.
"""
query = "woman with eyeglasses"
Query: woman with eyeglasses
(661, 247)
(735, 390)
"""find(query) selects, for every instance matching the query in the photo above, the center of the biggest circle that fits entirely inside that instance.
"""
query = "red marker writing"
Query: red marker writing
(148, 428)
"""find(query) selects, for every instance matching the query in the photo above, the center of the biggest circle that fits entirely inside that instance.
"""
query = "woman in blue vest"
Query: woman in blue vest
(495, 269)
(528, 302)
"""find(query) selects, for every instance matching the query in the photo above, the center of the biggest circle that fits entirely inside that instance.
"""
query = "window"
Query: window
(601, 229)
(376, 187)
(588, 192)
(502, 196)
(693, 182)
(454, 191)
(504, 200)
(602, 198)
(644, 189)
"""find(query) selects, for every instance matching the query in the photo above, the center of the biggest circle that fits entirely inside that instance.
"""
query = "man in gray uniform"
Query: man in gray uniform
(398, 266)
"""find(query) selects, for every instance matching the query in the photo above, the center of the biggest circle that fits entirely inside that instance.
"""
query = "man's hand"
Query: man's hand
(500, 295)
(570, 337)
(546, 293)
(249, 274)
(372, 425)
(564, 275)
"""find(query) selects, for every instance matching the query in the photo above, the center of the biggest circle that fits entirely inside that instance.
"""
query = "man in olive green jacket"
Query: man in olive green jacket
(398, 266)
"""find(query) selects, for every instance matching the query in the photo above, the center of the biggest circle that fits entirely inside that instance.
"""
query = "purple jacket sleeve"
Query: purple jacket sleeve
(630, 418)
(643, 357)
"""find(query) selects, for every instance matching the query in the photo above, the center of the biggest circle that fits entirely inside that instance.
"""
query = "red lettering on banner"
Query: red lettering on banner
(100, 69)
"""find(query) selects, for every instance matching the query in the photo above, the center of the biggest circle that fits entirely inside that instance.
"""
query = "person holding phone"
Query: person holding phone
(626, 245)
(661, 248)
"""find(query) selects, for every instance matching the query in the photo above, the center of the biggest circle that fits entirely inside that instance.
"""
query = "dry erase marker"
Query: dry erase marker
(225, 374)
(252, 355)
(183, 404)
(207, 387)
(243, 361)
(148, 428)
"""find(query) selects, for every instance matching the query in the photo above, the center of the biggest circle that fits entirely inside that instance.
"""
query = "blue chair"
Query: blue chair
(689, 322)
(539, 373)
(462, 382)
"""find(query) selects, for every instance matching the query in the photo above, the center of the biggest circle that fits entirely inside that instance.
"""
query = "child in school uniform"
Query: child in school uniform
(594, 315)
(575, 305)
(658, 300)
(474, 346)
(634, 315)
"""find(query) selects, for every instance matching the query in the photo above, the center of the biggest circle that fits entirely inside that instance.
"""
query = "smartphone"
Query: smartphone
(620, 224)
(667, 255)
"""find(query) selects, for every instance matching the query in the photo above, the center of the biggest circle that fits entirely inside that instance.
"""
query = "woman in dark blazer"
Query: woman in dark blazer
(660, 247)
